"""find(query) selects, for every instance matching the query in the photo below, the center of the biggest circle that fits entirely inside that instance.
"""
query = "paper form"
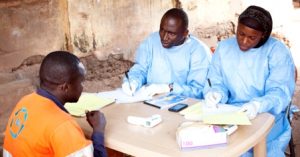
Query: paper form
(237, 118)
(121, 97)
(87, 102)
(224, 114)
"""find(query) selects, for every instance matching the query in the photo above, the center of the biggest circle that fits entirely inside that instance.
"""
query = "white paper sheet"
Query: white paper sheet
(121, 97)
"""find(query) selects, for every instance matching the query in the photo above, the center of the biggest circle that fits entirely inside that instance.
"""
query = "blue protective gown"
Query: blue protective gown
(264, 74)
(185, 66)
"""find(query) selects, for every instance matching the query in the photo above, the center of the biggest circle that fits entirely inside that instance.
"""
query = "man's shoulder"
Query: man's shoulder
(153, 36)
(27, 100)
(195, 44)
(67, 123)
(195, 40)
(152, 39)
(37, 106)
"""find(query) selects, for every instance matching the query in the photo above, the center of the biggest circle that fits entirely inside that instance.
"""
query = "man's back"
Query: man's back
(38, 127)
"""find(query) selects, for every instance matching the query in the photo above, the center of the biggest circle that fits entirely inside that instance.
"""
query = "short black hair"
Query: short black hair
(58, 67)
(259, 19)
(178, 13)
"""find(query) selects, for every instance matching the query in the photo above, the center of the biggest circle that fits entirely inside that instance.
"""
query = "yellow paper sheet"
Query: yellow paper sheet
(227, 118)
(225, 114)
(87, 102)
(193, 109)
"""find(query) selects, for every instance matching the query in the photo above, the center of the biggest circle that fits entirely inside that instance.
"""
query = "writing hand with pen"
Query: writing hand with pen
(150, 90)
(212, 98)
(129, 87)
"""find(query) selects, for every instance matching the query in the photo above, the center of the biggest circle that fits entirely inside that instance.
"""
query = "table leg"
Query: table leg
(260, 149)
(114, 153)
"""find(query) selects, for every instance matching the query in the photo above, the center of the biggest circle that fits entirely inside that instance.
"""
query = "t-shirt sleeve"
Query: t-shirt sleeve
(98, 143)
(68, 140)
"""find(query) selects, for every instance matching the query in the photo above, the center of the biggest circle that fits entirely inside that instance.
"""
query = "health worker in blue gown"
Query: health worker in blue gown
(254, 71)
(170, 60)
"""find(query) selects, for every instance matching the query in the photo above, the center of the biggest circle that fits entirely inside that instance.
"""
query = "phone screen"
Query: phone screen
(178, 107)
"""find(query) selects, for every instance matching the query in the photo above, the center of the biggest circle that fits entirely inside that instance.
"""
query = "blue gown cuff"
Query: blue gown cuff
(177, 89)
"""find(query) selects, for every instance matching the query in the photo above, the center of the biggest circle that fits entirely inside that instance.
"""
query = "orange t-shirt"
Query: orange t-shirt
(38, 127)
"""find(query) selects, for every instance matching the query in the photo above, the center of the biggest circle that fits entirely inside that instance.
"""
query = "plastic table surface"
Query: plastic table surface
(161, 140)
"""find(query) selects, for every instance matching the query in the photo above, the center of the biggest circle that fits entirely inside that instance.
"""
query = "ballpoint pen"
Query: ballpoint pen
(242, 111)
(209, 83)
(127, 77)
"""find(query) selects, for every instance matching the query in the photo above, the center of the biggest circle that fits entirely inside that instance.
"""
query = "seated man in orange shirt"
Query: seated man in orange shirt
(40, 125)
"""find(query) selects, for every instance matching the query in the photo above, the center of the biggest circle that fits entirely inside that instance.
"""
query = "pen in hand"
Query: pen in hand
(127, 77)
(209, 83)
(242, 111)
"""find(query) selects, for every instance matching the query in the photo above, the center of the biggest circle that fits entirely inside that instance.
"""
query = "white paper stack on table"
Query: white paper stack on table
(121, 97)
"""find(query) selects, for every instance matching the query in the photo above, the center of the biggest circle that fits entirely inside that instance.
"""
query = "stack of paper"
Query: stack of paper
(121, 97)
(224, 114)
(197, 135)
(87, 102)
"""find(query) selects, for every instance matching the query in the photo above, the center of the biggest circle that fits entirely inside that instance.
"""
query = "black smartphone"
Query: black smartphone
(178, 107)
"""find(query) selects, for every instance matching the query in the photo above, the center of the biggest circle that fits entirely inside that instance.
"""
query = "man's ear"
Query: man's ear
(186, 33)
(64, 87)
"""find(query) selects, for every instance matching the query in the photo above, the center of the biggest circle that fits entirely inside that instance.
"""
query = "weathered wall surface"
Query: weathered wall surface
(32, 27)
(108, 26)
(119, 26)
(29, 27)
(212, 20)
(103, 27)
